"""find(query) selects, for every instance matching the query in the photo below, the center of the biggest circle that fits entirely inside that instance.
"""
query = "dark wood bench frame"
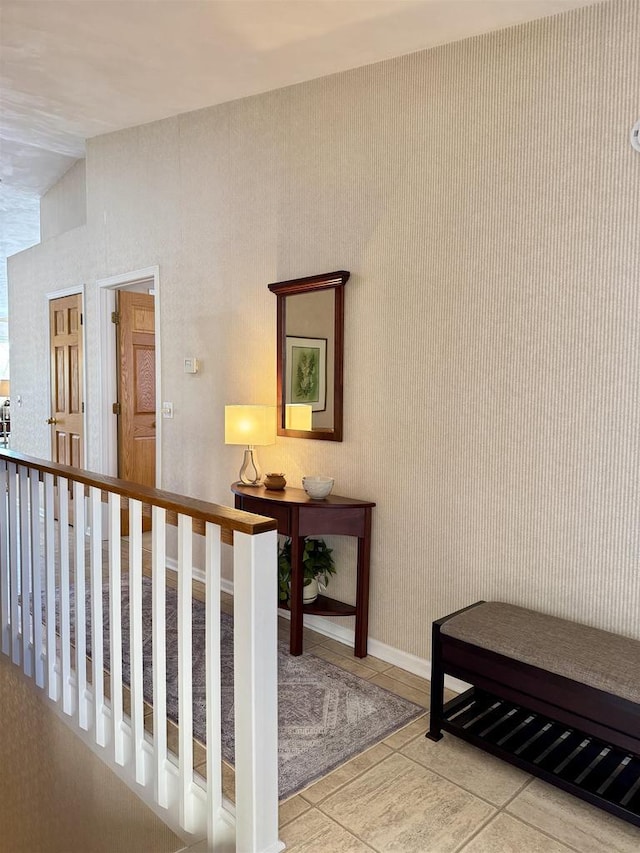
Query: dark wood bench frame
(607, 718)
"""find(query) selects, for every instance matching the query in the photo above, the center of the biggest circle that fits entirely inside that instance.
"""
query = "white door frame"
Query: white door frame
(108, 375)
(59, 294)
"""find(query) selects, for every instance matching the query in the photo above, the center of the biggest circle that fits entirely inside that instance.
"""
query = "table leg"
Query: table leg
(362, 588)
(295, 636)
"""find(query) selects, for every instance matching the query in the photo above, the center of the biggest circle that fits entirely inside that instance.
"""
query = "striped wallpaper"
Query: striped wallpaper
(486, 199)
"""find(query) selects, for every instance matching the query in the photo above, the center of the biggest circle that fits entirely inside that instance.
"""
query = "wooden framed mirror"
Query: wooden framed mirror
(310, 351)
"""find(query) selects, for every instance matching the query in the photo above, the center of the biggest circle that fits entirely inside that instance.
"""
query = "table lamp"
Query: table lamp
(298, 416)
(5, 388)
(254, 426)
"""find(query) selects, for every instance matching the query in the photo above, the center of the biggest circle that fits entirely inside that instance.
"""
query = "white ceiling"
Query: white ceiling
(73, 69)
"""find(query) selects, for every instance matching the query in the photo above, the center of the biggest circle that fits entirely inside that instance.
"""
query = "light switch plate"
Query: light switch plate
(191, 365)
(167, 410)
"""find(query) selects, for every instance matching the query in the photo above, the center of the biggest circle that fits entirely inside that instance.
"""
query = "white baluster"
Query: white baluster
(25, 567)
(65, 632)
(135, 617)
(36, 584)
(97, 637)
(159, 651)
(14, 581)
(256, 690)
(50, 582)
(185, 683)
(5, 610)
(115, 625)
(80, 629)
(212, 669)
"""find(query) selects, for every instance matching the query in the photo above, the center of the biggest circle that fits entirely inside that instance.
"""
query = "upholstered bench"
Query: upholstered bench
(558, 699)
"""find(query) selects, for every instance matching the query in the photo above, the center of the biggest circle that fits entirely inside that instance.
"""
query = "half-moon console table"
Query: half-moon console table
(298, 516)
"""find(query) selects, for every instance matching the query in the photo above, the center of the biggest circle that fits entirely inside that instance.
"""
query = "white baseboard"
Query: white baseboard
(340, 633)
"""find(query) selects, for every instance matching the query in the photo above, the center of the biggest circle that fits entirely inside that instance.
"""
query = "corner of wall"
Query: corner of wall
(64, 206)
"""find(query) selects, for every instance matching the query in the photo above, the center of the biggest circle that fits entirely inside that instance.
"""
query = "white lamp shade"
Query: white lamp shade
(251, 425)
(5, 388)
(298, 416)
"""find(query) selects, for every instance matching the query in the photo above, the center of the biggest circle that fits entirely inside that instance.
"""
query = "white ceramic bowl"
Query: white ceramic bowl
(317, 487)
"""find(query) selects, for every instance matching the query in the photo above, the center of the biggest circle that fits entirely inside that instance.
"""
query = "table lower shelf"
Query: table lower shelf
(324, 606)
(593, 770)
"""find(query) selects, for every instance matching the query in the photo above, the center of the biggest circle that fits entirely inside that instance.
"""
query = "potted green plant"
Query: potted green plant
(317, 566)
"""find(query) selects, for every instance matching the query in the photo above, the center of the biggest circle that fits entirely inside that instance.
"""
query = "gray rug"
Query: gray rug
(325, 715)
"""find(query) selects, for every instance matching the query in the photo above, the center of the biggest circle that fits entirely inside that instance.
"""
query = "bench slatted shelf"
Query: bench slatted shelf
(525, 708)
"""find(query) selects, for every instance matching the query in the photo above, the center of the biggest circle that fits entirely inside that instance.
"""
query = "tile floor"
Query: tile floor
(404, 795)
(410, 795)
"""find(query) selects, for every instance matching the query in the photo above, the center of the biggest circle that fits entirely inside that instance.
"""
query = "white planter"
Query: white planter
(310, 592)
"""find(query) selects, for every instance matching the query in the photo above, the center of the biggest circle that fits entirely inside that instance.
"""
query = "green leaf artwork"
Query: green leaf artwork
(305, 374)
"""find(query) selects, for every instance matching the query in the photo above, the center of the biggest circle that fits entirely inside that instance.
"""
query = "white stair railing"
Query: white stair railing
(54, 581)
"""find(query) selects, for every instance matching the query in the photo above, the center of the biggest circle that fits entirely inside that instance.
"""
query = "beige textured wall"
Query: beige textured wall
(55, 794)
(64, 206)
(485, 197)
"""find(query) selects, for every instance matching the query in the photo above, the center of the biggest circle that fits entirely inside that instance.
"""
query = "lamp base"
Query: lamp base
(249, 473)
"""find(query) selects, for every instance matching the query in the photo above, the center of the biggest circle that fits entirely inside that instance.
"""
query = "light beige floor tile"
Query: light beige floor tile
(417, 728)
(310, 639)
(346, 650)
(314, 832)
(291, 809)
(409, 678)
(346, 773)
(228, 778)
(471, 768)
(400, 806)
(376, 663)
(352, 665)
(228, 781)
(199, 751)
(576, 823)
(420, 697)
(505, 834)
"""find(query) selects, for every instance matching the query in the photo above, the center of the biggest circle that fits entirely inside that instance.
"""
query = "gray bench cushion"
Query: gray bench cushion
(598, 658)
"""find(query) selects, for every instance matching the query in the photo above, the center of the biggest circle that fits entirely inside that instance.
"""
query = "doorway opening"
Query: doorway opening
(130, 432)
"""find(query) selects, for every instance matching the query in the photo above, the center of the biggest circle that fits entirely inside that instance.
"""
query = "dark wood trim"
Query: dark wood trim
(292, 287)
(338, 367)
(291, 496)
(310, 282)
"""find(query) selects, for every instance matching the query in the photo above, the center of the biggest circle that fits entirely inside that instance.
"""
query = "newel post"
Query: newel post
(256, 691)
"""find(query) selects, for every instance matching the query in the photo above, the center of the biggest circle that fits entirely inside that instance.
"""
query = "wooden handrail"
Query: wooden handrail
(227, 518)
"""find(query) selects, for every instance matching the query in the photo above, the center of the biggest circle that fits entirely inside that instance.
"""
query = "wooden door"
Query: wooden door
(66, 359)
(136, 388)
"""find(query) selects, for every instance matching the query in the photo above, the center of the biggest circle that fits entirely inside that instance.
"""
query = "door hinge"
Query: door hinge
(116, 409)
(81, 318)
(83, 408)
(115, 317)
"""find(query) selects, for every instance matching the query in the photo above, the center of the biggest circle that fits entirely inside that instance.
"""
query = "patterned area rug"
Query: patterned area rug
(325, 715)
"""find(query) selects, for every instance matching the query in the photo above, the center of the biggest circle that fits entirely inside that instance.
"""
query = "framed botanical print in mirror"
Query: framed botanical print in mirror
(310, 351)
